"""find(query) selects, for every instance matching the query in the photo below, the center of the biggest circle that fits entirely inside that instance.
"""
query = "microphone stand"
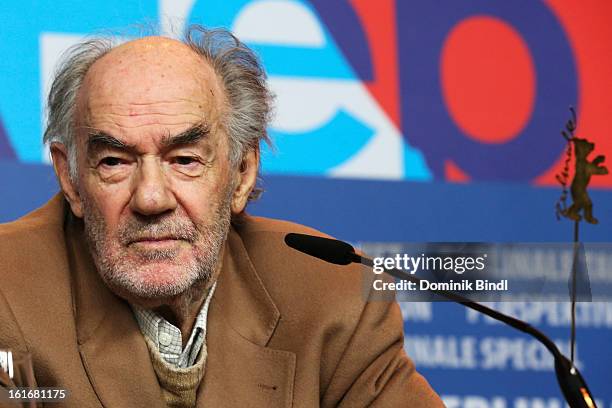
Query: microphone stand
(571, 382)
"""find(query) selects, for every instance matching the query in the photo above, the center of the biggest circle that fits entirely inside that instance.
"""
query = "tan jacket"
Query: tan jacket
(284, 329)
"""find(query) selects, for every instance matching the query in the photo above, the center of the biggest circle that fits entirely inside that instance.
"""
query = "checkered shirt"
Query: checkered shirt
(167, 337)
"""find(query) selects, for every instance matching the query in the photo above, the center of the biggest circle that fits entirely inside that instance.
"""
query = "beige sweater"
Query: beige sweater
(179, 385)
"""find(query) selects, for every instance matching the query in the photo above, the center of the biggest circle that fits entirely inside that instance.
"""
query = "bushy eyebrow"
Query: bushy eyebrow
(190, 136)
(99, 140)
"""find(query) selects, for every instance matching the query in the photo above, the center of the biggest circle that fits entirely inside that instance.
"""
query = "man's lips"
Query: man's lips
(153, 239)
(156, 241)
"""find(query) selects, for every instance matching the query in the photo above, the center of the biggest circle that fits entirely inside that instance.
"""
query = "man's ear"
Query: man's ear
(246, 176)
(61, 165)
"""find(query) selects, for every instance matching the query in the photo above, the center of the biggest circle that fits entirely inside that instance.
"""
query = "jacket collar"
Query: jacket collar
(242, 320)
(241, 297)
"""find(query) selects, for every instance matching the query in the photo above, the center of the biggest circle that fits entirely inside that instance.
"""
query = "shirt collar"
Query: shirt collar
(167, 338)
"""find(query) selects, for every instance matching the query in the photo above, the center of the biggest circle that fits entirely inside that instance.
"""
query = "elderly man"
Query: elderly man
(144, 283)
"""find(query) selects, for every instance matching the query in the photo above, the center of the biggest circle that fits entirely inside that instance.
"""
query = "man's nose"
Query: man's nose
(151, 193)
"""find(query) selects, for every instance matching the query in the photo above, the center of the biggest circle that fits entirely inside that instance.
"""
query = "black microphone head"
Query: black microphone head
(327, 249)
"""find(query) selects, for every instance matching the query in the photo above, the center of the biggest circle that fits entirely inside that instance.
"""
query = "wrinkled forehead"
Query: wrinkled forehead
(151, 78)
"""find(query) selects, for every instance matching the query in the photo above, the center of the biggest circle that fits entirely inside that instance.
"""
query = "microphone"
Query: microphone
(571, 382)
(327, 249)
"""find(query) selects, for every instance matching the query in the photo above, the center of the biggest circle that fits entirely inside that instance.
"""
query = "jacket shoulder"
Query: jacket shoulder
(49, 216)
(32, 250)
(252, 225)
(302, 285)
(29, 243)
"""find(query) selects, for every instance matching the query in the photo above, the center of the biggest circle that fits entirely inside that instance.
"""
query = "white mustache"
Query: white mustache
(136, 231)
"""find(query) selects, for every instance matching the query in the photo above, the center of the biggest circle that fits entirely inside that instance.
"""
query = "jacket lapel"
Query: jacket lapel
(113, 351)
(240, 369)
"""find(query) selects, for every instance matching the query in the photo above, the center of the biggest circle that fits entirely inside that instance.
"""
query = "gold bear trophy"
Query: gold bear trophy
(583, 170)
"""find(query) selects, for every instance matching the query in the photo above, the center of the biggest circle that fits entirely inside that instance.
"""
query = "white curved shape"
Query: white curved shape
(279, 22)
(303, 104)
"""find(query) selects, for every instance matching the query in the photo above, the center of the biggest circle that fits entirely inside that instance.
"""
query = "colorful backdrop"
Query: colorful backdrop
(395, 121)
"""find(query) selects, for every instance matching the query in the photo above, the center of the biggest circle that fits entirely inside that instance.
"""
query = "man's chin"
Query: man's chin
(156, 284)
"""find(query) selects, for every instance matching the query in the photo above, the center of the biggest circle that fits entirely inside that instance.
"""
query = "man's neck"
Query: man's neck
(183, 311)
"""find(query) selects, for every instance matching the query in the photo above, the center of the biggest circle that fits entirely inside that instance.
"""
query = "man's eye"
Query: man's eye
(188, 165)
(111, 161)
(185, 160)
